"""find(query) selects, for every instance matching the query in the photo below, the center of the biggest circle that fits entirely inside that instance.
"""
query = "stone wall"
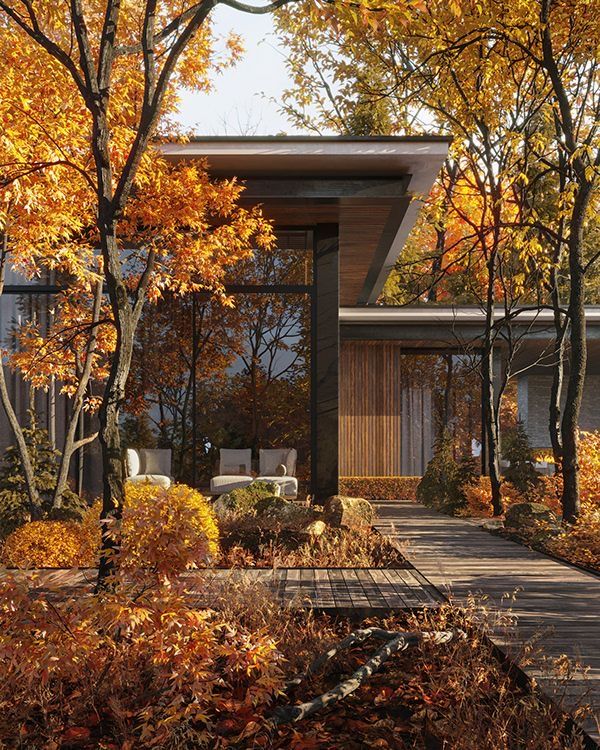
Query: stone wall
(533, 399)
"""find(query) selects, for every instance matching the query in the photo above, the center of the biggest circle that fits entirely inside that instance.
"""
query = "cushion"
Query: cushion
(133, 462)
(225, 483)
(269, 460)
(156, 461)
(235, 461)
(158, 480)
(281, 470)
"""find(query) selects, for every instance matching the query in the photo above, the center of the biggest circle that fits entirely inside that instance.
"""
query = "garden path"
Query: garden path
(556, 604)
(353, 592)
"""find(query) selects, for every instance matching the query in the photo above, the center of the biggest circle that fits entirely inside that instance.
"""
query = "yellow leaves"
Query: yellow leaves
(49, 544)
(165, 531)
(117, 653)
(455, 8)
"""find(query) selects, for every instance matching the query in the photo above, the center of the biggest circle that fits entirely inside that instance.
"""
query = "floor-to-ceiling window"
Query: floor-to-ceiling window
(28, 302)
(208, 375)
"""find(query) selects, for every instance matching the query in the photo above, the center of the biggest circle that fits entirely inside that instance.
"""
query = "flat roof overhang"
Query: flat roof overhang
(462, 327)
(366, 184)
(448, 315)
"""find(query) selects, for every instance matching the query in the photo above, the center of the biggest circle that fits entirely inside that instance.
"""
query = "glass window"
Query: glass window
(289, 262)
(205, 376)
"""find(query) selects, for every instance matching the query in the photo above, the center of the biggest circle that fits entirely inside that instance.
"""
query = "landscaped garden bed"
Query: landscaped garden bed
(248, 528)
(335, 548)
(262, 530)
(141, 668)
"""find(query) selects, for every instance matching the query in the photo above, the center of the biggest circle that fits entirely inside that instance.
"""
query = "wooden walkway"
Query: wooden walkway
(555, 604)
(356, 592)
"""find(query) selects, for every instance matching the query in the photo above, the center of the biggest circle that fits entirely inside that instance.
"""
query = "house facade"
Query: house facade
(305, 358)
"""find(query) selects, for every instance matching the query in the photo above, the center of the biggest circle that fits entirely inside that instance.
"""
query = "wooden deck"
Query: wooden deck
(355, 592)
(556, 604)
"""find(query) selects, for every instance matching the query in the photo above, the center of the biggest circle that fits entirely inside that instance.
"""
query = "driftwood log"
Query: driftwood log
(394, 641)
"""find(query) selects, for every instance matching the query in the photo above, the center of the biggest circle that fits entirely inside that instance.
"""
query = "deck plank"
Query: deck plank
(361, 589)
(549, 598)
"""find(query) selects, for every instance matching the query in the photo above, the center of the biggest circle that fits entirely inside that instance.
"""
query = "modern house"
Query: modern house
(306, 358)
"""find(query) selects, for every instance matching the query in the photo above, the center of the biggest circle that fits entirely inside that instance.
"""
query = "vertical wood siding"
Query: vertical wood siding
(370, 409)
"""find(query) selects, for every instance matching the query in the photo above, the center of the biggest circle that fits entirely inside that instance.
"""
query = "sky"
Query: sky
(241, 103)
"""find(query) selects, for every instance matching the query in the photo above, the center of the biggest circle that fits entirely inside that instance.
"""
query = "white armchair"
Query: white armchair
(278, 465)
(235, 470)
(149, 465)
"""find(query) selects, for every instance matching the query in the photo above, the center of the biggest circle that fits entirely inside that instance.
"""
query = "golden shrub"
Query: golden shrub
(174, 528)
(50, 544)
(171, 528)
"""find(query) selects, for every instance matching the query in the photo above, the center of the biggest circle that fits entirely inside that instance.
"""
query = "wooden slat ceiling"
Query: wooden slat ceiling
(361, 226)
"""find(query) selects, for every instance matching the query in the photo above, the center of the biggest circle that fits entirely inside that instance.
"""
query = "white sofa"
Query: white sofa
(276, 465)
(149, 465)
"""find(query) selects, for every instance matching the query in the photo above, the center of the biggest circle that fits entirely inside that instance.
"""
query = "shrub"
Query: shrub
(479, 496)
(381, 489)
(580, 543)
(242, 501)
(517, 450)
(443, 484)
(14, 501)
(50, 544)
(172, 527)
(138, 666)
(589, 462)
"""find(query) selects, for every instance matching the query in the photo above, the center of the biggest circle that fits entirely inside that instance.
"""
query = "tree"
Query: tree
(559, 43)
(123, 63)
(73, 350)
(44, 205)
(483, 98)
(518, 84)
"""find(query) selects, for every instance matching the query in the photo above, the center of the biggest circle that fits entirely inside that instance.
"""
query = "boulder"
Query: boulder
(281, 513)
(224, 505)
(348, 512)
(523, 515)
(492, 524)
(314, 529)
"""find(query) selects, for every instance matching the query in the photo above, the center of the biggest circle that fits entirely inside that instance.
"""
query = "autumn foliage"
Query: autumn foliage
(139, 668)
(168, 530)
(50, 544)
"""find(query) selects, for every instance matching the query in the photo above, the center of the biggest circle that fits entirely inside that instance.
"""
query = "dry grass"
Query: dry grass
(455, 696)
(263, 548)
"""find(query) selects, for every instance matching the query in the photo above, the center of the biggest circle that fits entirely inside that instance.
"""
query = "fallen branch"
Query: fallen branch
(395, 641)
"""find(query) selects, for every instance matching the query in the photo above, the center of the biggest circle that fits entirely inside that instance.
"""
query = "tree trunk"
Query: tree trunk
(490, 411)
(70, 445)
(492, 433)
(557, 377)
(113, 463)
(571, 501)
(35, 503)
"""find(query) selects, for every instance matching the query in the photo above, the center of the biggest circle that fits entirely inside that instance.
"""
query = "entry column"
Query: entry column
(325, 362)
